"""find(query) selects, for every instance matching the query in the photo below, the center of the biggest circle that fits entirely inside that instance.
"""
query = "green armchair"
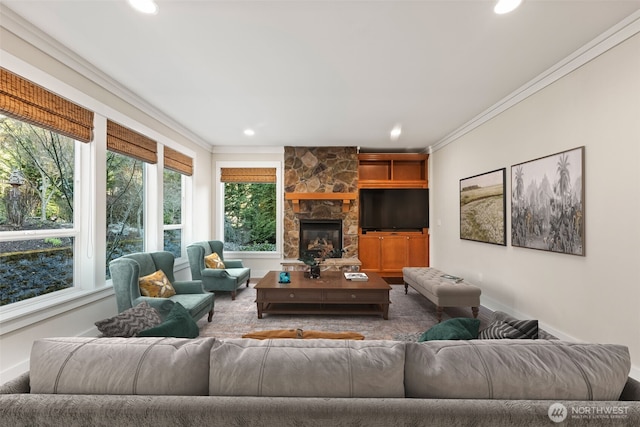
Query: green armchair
(228, 279)
(126, 271)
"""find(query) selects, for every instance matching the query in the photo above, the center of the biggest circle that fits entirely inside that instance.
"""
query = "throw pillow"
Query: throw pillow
(178, 324)
(130, 322)
(511, 329)
(460, 328)
(214, 261)
(156, 285)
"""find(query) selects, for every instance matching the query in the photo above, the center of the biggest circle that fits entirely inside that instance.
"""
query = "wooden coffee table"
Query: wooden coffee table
(330, 294)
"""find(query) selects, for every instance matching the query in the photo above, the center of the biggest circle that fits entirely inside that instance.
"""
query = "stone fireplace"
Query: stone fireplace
(321, 238)
(320, 170)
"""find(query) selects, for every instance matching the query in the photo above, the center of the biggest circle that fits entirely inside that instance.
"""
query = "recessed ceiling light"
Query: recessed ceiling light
(506, 6)
(249, 132)
(145, 6)
(395, 132)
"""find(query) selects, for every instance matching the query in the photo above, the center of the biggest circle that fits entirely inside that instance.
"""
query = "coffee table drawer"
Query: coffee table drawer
(346, 296)
(290, 295)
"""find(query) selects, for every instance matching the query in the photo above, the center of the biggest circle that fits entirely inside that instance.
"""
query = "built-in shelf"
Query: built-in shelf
(345, 198)
(378, 170)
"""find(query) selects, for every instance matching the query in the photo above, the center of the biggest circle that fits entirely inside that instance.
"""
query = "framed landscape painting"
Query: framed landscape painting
(547, 203)
(483, 208)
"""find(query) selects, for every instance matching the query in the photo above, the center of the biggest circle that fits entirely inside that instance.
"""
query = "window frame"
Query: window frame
(181, 226)
(32, 310)
(219, 206)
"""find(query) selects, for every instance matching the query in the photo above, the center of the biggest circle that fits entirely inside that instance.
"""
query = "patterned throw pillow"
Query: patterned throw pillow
(156, 285)
(512, 329)
(130, 322)
(213, 261)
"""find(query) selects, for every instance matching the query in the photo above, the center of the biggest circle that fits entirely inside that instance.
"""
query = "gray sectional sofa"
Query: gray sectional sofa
(294, 382)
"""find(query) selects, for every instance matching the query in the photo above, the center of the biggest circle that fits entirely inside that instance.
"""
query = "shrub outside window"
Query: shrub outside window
(249, 217)
(172, 211)
(125, 206)
(37, 173)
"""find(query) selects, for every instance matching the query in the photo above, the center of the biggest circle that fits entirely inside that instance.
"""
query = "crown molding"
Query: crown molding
(620, 32)
(244, 149)
(23, 29)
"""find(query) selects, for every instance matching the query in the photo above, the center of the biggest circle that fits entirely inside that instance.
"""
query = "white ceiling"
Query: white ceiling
(310, 73)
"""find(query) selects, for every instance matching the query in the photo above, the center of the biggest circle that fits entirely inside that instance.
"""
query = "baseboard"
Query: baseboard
(635, 373)
(14, 371)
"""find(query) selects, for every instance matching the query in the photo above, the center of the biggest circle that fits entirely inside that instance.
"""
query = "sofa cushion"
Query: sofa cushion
(516, 369)
(151, 366)
(156, 285)
(307, 368)
(130, 322)
(459, 328)
(510, 329)
(214, 261)
(178, 324)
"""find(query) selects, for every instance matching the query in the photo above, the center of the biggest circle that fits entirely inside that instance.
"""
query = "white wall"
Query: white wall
(592, 298)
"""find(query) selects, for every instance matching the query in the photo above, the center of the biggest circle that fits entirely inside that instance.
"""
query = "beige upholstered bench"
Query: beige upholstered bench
(443, 292)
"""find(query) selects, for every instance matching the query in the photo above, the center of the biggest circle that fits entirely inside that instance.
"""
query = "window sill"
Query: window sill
(252, 255)
(25, 313)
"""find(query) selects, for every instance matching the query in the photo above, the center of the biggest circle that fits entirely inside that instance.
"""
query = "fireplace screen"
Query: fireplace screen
(321, 238)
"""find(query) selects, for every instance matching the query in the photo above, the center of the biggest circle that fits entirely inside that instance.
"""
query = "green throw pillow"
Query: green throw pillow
(460, 328)
(178, 324)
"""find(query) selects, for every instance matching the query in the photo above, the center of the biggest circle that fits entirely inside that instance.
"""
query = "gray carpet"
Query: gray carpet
(409, 316)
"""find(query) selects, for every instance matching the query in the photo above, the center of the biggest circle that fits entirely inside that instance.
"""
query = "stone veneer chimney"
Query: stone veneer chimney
(320, 170)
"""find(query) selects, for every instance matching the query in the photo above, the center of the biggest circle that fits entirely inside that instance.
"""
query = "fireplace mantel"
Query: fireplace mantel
(345, 198)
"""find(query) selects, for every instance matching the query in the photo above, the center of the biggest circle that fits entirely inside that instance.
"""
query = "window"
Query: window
(172, 212)
(37, 211)
(249, 206)
(128, 152)
(125, 206)
(249, 216)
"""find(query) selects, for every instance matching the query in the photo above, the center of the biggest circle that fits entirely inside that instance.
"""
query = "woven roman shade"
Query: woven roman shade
(26, 101)
(178, 162)
(123, 140)
(254, 175)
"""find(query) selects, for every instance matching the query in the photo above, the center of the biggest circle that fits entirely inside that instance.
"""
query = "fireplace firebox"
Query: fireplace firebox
(321, 238)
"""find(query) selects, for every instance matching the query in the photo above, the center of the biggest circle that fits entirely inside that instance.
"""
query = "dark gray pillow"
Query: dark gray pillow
(130, 322)
(510, 329)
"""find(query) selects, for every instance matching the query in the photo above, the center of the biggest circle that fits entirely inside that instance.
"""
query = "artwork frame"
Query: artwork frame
(483, 207)
(547, 203)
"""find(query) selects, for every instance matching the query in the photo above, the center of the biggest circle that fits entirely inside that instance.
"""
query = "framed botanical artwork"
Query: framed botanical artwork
(547, 203)
(483, 208)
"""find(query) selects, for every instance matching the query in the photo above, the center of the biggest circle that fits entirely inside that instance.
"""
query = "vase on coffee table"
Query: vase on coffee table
(313, 264)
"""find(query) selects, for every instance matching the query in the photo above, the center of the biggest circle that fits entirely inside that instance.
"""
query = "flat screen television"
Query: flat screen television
(394, 209)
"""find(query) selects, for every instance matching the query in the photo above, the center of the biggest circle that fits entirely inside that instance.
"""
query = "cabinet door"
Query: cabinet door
(369, 252)
(418, 251)
(394, 253)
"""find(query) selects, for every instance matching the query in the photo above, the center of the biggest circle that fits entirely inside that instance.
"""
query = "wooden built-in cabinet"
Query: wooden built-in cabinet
(387, 252)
